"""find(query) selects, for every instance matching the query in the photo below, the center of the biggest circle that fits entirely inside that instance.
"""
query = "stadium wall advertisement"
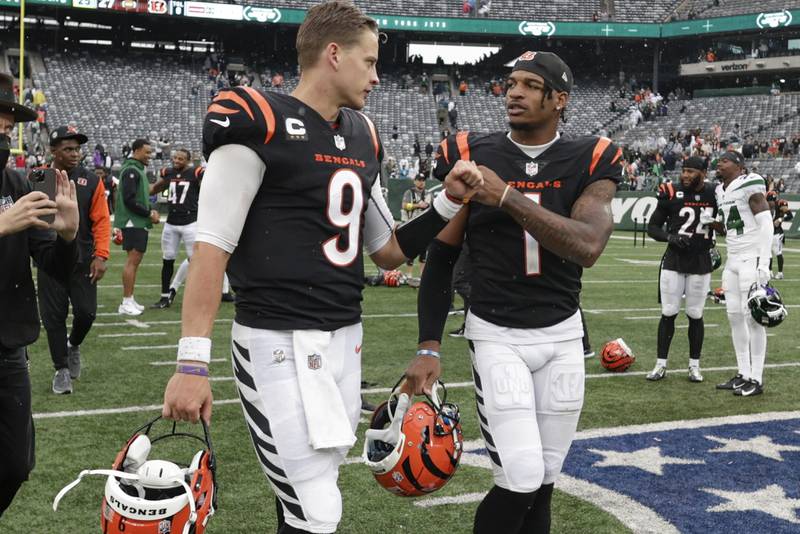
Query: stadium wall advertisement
(626, 207)
(532, 28)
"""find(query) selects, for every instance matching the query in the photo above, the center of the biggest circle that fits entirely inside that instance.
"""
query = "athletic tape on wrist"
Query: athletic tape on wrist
(194, 349)
(446, 207)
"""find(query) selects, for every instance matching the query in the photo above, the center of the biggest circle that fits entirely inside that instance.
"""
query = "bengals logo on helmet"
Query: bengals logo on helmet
(527, 56)
(616, 356)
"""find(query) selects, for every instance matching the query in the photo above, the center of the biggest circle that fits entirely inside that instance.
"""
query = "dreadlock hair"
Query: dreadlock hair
(547, 93)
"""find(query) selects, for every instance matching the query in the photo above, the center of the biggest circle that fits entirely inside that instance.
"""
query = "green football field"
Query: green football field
(127, 361)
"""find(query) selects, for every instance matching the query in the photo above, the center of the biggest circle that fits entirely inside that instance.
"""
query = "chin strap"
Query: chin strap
(130, 476)
(104, 472)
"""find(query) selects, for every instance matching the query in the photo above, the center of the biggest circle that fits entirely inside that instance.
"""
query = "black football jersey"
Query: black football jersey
(299, 261)
(183, 192)
(516, 282)
(681, 209)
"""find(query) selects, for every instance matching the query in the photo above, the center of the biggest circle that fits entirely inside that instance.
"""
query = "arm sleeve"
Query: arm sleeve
(222, 210)
(130, 185)
(655, 226)
(101, 221)
(765, 231)
(378, 221)
(605, 162)
(433, 301)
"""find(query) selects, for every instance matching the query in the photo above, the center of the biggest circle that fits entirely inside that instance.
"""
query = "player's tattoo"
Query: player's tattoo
(579, 238)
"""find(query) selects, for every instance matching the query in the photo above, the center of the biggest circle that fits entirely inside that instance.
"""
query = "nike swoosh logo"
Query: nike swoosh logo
(224, 124)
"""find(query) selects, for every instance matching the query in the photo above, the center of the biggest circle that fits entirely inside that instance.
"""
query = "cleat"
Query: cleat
(162, 303)
(138, 306)
(750, 388)
(779, 276)
(74, 362)
(128, 309)
(694, 374)
(588, 353)
(227, 297)
(62, 383)
(658, 372)
(172, 294)
(458, 332)
(734, 383)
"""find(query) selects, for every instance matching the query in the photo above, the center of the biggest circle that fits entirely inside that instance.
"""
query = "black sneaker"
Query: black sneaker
(366, 406)
(734, 383)
(172, 294)
(163, 302)
(458, 332)
(750, 388)
(227, 297)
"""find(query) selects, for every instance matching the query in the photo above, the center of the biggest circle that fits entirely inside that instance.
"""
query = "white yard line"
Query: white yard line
(134, 334)
(151, 347)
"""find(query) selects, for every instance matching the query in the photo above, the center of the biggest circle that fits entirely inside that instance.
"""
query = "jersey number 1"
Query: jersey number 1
(533, 252)
(349, 220)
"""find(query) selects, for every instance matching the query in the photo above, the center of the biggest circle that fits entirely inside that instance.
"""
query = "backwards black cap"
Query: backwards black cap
(696, 162)
(549, 66)
(733, 156)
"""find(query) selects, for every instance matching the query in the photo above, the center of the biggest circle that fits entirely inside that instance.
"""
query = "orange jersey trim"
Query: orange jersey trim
(599, 148)
(443, 146)
(374, 134)
(266, 110)
(463, 145)
(216, 108)
(233, 97)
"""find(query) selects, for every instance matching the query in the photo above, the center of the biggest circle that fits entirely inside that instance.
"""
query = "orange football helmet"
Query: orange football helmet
(155, 496)
(414, 450)
(393, 278)
(616, 356)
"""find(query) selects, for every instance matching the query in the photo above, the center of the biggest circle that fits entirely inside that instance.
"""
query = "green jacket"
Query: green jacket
(133, 178)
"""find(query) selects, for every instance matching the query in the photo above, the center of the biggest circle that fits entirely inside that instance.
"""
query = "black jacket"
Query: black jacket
(19, 317)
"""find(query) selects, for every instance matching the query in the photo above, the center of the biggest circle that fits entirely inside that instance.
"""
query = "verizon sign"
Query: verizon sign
(739, 66)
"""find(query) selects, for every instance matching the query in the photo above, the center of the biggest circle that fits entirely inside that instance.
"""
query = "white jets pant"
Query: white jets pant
(529, 401)
(303, 479)
(749, 337)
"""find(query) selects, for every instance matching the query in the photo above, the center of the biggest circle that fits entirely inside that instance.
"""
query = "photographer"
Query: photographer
(81, 289)
(24, 235)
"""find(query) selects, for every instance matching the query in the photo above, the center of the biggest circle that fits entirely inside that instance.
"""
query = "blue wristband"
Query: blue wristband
(427, 352)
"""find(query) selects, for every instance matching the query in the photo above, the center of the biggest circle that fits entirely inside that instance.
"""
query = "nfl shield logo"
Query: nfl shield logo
(165, 527)
(314, 361)
(339, 141)
(531, 168)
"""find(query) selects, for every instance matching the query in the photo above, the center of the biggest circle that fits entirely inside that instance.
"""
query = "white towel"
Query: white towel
(326, 417)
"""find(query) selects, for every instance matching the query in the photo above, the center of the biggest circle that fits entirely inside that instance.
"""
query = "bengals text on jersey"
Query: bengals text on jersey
(517, 283)
(298, 264)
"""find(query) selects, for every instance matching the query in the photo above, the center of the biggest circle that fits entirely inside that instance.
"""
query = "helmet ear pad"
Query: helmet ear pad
(133, 454)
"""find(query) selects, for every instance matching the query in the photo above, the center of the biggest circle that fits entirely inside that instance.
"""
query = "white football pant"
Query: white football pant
(674, 286)
(749, 337)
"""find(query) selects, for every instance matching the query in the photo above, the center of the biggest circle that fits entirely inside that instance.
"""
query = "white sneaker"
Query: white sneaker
(779, 276)
(127, 308)
(138, 306)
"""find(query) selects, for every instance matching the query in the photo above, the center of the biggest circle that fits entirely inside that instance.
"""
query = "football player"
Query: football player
(542, 216)
(687, 211)
(742, 199)
(290, 198)
(183, 184)
(780, 214)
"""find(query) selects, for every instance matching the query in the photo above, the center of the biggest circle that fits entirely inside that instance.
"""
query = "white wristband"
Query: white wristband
(196, 349)
(445, 207)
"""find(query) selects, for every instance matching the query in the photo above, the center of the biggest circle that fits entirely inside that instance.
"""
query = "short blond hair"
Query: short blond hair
(330, 22)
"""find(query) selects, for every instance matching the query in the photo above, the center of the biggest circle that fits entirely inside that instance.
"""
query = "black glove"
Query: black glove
(679, 241)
